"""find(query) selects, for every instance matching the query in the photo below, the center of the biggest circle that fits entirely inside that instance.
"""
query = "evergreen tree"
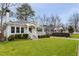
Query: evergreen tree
(71, 29)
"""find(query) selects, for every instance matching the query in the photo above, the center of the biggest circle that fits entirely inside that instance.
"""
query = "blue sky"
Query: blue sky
(64, 10)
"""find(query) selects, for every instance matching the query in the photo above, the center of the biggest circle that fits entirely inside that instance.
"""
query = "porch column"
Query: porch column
(34, 30)
(43, 29)
(28, 29)
(15, 29)
(20, 29)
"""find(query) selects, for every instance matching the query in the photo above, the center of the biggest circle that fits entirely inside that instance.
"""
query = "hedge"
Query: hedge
(25, 36)
(43, 36)
(17, 36)
(61, 34)
(11, 38)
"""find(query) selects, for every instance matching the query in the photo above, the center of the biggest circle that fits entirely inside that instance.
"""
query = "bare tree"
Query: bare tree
(4, 7)
(44, 20)
(74, 19)
(55, 21)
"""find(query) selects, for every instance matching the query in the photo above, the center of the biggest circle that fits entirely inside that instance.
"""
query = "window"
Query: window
(17, 29)
(30, 29)
(12, 29)
(22, 30)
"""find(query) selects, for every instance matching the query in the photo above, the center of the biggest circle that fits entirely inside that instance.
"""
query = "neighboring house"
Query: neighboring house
(19, 27)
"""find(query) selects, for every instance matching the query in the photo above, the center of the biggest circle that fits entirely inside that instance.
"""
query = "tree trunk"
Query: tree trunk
(1, 34)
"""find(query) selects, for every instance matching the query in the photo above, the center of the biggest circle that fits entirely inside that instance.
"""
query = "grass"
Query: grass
(74, 36)
(42, 47)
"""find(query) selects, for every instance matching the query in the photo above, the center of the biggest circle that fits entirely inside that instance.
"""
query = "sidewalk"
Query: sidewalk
(66, 38)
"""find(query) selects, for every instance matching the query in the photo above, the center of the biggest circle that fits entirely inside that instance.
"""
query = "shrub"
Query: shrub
(18, 36)
(11, 38)
(43, 36)
(61, 34)
(25, 36)
(71, 29)
(2, 38)
(39, 29)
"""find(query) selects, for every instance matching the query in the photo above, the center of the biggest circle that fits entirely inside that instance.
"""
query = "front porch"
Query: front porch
(13, 29)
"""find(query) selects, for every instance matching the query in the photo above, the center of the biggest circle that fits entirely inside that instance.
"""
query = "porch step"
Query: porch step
(33, 36)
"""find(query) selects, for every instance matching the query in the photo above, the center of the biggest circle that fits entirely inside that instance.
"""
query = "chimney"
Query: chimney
(7, 16)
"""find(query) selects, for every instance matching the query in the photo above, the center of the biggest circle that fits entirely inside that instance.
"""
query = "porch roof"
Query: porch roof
(20, 22)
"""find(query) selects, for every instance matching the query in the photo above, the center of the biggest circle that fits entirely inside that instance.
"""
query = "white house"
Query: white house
(19, 27)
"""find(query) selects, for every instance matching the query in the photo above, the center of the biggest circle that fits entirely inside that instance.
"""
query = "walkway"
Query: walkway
(66, 38)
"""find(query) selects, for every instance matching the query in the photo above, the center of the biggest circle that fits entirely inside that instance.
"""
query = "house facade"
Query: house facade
(19, 27)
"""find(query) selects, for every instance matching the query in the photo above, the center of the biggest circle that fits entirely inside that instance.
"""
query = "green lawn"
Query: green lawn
(42, 47)
(74, 36)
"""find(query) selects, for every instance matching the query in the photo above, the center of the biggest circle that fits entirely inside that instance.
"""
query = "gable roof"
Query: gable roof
(18, 22)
